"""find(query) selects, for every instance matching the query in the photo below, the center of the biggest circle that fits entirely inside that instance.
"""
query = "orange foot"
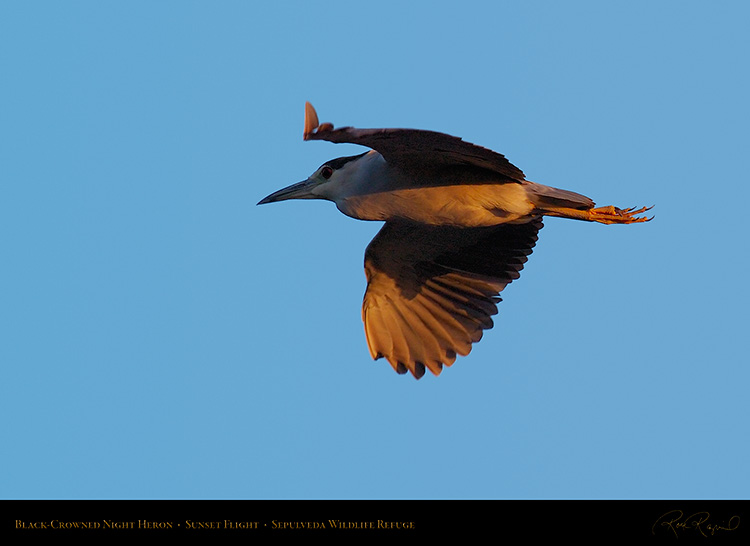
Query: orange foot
(613, 215)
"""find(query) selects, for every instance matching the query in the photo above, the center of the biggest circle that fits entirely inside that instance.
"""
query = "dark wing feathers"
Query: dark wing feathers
(422, 150)
(432, 290)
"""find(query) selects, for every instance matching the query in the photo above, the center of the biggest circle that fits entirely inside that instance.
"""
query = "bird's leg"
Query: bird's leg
(603, 215)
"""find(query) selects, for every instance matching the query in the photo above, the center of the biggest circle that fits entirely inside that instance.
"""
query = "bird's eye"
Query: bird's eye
(326, 172)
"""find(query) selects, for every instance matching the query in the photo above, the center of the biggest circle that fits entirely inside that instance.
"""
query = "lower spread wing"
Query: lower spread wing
(431, 290)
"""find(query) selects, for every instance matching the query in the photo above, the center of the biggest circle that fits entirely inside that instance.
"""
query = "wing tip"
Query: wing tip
(312, 124)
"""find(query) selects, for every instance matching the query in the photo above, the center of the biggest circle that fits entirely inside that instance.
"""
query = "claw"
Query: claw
(613, 215)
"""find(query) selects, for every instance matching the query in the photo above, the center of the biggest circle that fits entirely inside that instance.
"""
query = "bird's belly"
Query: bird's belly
(468, 205)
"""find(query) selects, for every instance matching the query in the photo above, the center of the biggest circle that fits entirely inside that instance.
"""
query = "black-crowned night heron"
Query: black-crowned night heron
(460, 222)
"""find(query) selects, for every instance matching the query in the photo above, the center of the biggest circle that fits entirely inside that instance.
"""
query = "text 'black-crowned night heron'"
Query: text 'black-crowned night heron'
(460, 221)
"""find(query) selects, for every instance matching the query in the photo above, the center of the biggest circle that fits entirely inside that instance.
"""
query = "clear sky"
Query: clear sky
(163, 337)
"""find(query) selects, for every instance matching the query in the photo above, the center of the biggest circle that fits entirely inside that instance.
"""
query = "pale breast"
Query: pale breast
(469, 205)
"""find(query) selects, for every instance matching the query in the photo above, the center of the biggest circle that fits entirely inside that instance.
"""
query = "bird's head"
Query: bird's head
(329, 181)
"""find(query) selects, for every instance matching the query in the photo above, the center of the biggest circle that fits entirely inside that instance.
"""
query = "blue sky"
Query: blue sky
(163, 337)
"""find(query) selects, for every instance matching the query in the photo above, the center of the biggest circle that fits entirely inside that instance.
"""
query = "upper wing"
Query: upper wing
(432, 290)
(414, 148)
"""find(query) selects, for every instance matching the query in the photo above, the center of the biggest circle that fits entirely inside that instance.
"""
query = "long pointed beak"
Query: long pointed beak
(300, 190)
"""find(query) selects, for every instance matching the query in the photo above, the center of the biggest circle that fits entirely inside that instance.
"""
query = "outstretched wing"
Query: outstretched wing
(431, 290)
(414, 149)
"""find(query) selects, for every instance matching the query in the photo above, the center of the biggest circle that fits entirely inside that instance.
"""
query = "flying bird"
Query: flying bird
(460, 222)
